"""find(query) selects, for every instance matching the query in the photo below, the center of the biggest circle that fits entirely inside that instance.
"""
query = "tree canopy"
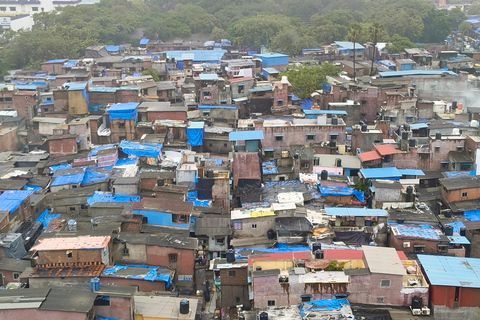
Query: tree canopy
(305, 79)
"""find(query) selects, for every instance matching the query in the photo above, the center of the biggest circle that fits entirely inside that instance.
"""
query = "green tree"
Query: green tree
(398, 43)
(152, 72)
(465, 27)
(218, 34)
(291, 42)
(375, 31)
(353, 35)
(305, 79)
(474, 9)
(257, 30)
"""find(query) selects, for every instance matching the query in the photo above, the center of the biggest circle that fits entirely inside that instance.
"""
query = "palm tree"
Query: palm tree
(374, 31)
(353, 35)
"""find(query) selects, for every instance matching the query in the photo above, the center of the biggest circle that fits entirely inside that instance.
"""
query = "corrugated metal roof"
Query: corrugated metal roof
(417, 126)
(208, 76)
(458, 240)
(261, 89)
(270, 70)
(386, 149)
(123, 107)
(270, 55)
(369, 156)
(411, 172)
(383, 260)
(199, 55)
(56, 61)
(416, 73)
(337, 112)
(75, 86)
(347, 45)
(246, 135)
(377, 173)
(10, 200)
(355, 212)
(451, 271)
(72, 243)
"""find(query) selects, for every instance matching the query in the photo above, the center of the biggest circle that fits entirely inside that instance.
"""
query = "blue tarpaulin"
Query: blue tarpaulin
(92, 176)
(10, 200)
(123, 111)
(472, 215)
(150, 273)
(126, 162)
(341, 192)
(70, 179)
(307, 104)
(158, 218)
(96, 107)
(100, 196)
(151, 150)
(46, 217)
(456, 226)
(94, 152)
(458, 174)
(322, 305)
(53, 169)
(33, 188)
(244, 253)
(195, 133)
(269, 167)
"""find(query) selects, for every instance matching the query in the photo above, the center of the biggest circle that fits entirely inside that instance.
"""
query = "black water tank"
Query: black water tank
(316, 246)
(334, 121)
(319, 254)
(160, 182)
(324, 175)
(184, 306)
(404, 135)
(438, 136)
(454, 105)
(296, 155)
(406, 127)
(271, 234)
(210, 174)
(230, 256)
(448, 231)
(259, 268)
(463, 232)
(417, 302)
(412, 143)
(447, 213)
(409, 190)
(364, 128)
(338, 162)
(263, 316)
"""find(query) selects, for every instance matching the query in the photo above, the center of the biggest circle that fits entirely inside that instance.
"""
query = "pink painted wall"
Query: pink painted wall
(120, 308)
(158, 256)
(41, 314)
(332, 170)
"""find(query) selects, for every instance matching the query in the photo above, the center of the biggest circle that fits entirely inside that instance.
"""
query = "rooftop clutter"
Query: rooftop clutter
(220, 185)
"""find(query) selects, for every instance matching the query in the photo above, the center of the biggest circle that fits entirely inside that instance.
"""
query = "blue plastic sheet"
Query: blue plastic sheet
(94, 152)
(456, 226)
(195, 136)
(151, 150)
(33, 188)
(46, 217)
(100, 196)
(93, 176)
(269, 167)
(307, 104)
(123, 111)
(244, 253)
(10, 200)
(341, 192)
(472, 215)
(70, 179)
(458, 174)
(322, 305)
(126, 162)
(54, 169)
(150, 273)
(158, 218)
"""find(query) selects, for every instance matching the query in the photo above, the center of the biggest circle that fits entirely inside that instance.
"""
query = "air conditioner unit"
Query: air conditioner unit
(425, 311)
(406, 244)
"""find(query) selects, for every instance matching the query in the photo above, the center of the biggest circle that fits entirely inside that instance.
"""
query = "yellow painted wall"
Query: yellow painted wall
(353, 264)
(273, 264)
(77, 103)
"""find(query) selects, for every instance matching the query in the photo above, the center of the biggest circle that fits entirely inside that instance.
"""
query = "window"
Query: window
(16, 276)
(69, 254)
(8, 98)
(220, 241)
(45, 109)
(280, 102)
(121, 125)
(254, 226)
(306, 297)
(419, 248)
(13, 9)
(72, 209)
(3, 8)
(409, 119)
(310, 137)
(444, 164)
(271, 303)
(385, 283)
(237, 299)
(232, 273)
(442, 248)
(241, 88)
(225, 145)
(380, 300)
(464, 194)
(34, 8)
(306, 165)
(237, 225)
(172, 257)
(278, 138)
(83, 207)
(364, 102)
(210, 144)
(437, 148)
